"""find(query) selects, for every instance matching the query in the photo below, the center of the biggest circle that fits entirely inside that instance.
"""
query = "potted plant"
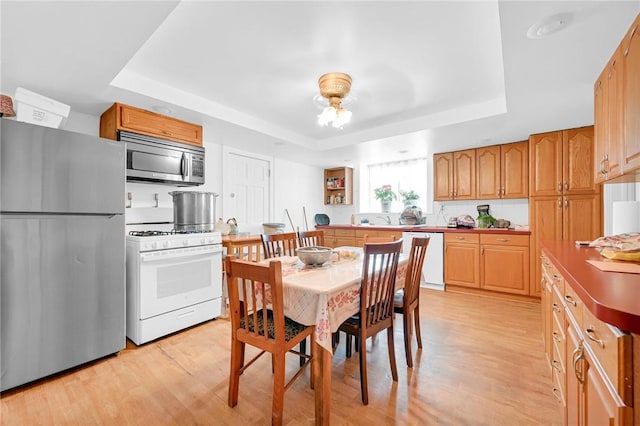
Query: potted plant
(386, 196)
(409, 198)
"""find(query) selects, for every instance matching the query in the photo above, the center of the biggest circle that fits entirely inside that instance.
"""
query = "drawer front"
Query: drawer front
(450, 237)
(559, 387)
(552, 273)
(505, 240)
(345, 233)
(612, 349)
(573, 304)
(557, 327)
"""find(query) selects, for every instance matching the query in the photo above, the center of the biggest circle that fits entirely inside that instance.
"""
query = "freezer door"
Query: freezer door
(56, 171)
(62, 293)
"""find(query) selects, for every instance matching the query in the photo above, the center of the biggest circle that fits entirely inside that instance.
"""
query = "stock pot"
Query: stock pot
(193, 210)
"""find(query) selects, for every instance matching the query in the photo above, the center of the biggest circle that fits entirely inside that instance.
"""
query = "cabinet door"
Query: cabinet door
(574, 414)
(464, 174)
(631, 98)
(488, 172)
(504, 269)
(545, 163)
(601, 126)
(578, 159)
(462, 264)
(515, 170)
(149, 123)
(546, 288)
(581, 217)
(614, 93)
(443, 176)
(545, 215)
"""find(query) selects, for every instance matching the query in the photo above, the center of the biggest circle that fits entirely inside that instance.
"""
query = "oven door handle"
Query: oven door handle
(162, 255)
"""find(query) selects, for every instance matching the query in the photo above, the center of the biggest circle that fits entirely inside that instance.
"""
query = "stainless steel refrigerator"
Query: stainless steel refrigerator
(62, 258)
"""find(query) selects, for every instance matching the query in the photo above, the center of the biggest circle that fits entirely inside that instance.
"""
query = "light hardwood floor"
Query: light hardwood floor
(482, 364)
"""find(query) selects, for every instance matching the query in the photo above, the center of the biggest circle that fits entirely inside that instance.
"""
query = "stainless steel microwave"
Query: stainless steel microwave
(155, 160)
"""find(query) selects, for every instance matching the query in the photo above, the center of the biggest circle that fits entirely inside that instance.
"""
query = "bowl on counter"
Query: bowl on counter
(314, 255)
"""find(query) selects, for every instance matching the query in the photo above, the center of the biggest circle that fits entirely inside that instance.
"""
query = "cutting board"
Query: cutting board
(616, 266)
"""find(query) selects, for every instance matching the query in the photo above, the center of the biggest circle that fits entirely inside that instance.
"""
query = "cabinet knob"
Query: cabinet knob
(560, 188)
(570, 300)
(566, 186)
(591, 334)
(633, 32)
(559, 203)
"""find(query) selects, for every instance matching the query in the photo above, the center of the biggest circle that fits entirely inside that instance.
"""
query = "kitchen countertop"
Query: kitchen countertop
(612, 297)
(425, 228)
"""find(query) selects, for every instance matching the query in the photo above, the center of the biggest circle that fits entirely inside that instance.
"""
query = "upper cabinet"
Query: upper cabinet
(561, 162)
(608, 122)
(502, 171)
(617, 112)
(338, 185)
(455, 175)
(136, 120)
(631, 98)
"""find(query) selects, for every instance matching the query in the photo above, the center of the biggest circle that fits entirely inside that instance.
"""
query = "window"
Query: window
(402, 176)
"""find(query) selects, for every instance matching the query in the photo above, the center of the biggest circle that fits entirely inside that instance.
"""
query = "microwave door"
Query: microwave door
(165, 165)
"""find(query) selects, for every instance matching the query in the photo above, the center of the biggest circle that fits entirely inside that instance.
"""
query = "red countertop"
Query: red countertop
(613, 297)
(420, 228)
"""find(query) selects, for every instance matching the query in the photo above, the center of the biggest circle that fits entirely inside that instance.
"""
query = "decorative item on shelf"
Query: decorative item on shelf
(334, 86)
(386, 196)
(6, 106)
(233, 226)
(409, 198)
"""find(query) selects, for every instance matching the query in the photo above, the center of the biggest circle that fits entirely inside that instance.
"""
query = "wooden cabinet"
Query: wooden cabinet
(504, 263)
(565, 201)
(338, 186)
(608, 124)
(591, 361)
(339, 237)
(502, 171)
(124, 117)
(631, 98)
(455, 175)
(560, 163)
(462, 259)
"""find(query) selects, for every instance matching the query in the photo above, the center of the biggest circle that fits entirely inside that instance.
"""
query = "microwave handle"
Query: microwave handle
(184, 166)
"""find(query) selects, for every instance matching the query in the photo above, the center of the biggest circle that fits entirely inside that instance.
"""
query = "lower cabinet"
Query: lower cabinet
(591, 361)
(339, 237)
(462, 259)
(493, 262)
(504, 263)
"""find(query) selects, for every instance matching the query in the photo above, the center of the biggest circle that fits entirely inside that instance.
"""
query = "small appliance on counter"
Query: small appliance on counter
(411, 216)
(465, 221)
(452, 222)
(485, 220)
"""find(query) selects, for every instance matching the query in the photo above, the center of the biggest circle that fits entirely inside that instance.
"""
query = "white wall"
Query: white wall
(617, 192)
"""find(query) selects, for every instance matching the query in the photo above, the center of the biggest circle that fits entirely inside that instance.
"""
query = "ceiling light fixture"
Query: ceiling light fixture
(549, 25)
(334, 86)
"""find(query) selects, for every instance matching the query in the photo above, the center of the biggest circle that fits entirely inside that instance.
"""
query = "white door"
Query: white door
(246, 189)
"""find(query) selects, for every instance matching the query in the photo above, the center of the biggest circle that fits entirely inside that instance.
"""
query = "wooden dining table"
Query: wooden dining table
(325, 297)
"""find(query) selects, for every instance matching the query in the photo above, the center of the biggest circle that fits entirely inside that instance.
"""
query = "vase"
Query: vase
(386, 206)
(410, 203)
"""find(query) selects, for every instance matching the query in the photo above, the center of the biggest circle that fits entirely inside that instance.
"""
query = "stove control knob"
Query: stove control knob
(165, 244)
(202, 241)
(185, 242)
(154, 245)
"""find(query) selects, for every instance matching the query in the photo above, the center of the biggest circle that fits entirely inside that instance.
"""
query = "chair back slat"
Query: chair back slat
(378, 281)
(277, 245)
(310, 238)
(414, 269)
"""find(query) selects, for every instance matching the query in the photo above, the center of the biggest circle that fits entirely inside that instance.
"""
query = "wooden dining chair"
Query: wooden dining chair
(310, 238)
(386, 239)
(268, 329)
(407, 300)
(277, 245)
(376, 305)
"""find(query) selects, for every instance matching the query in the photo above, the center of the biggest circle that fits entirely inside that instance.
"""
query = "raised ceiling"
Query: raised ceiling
(428, 76)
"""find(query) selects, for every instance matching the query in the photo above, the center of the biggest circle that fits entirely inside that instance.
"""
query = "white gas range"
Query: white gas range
(174, 281)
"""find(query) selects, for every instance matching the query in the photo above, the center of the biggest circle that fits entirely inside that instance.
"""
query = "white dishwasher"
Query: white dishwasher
(433, 268)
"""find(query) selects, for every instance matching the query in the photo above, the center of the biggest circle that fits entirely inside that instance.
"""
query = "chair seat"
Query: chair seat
(291, 327)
